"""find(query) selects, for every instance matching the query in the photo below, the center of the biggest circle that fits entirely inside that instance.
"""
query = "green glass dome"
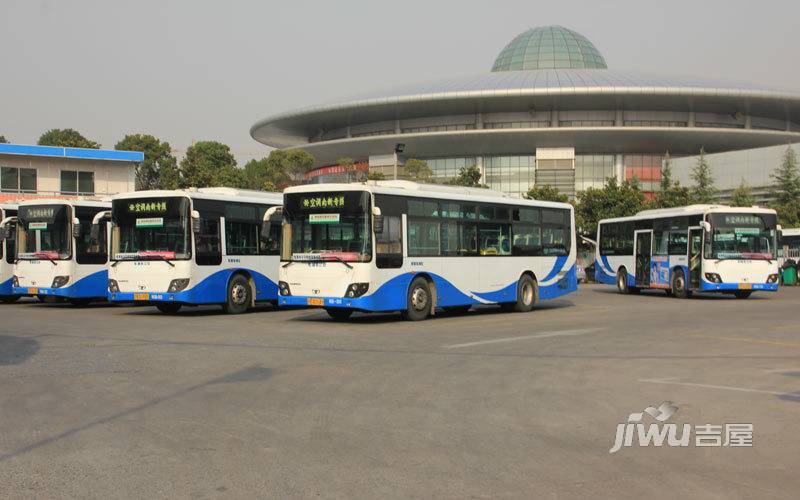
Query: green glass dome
(549, 47)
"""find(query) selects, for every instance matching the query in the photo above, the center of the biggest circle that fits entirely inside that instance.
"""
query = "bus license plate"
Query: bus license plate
(745, 286)
(141, 296)
(315, 302)
(33, 291)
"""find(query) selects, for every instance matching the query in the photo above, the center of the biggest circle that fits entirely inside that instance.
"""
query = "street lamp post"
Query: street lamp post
(398, 148)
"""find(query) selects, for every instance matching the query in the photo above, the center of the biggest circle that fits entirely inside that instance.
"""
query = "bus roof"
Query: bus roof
(791, 232)
(9, 206)
(419, 190)
(689, 210)
(106, 203)
(211, 193)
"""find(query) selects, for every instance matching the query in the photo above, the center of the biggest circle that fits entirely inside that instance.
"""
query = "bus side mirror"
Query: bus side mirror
(377, 220)
(7, 228)
(196, 222)
(76, 228)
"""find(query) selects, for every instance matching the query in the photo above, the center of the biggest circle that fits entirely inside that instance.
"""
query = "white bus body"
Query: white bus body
(458, 240)
(193, 247)
(55, 254)
(7, 253)
(704, 248)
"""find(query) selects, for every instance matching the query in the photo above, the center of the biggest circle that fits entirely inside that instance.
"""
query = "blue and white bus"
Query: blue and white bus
(194, 247)
(698, 248)
(401, 246)
(56, 256)
(7, 252)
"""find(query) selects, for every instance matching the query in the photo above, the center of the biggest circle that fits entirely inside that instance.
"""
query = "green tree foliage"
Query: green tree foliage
(159, 169)
(786, 189)
(3, 139)
(612, 200)
(418, 170)
(376, 176)
(666, 172)
(546, 193)
(278, 170)
(674, 196)
(66, 138)
(703, 190)
(295, 162)
(467, 176)
(742, 196)
(209, 163)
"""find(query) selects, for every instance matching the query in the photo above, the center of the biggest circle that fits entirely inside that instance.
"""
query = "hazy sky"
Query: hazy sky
(196, 70)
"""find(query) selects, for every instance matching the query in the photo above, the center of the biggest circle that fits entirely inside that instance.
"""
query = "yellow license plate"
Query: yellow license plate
(141, 296)
(315, 302)
(745, 286)
(33, 291)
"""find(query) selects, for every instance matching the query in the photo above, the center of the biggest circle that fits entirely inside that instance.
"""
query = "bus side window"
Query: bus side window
(389, 244)
(86, 250)
(207, 243)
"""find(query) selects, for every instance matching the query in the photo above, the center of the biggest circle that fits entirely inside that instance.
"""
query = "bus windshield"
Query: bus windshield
(150, 228)
(327, 226)
(43, 232)
(743, 236)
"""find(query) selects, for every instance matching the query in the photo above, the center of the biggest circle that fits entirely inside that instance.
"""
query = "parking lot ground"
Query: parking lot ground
(108, 402)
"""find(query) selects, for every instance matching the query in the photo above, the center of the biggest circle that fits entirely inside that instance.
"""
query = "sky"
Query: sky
(186, 71)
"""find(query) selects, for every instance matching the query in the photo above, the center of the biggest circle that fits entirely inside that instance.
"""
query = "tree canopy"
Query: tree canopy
(786, 189)
(159, 169)
(3, 139)
(66, 138)
(546, 193)
(742, 196)
(612, 200)
(207, 164)
(703, 190)
(418, 170)
(467, 176)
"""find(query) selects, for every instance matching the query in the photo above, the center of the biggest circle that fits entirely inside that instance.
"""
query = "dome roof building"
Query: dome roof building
(549, 112)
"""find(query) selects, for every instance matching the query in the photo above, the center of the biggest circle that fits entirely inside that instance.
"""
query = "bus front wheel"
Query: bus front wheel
(168, 307)
(742, 294)
(239, 295)
(679, 289)
(622, 282)
(418, 302)
(339, 314)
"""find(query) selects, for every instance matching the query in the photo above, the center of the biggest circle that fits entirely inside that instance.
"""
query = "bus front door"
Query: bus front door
(695, 257)
(644, 246)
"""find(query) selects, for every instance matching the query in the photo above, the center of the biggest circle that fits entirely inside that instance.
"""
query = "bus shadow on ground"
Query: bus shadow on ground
(320, 316)
(661, 294)
(16, 350)
(189, 311)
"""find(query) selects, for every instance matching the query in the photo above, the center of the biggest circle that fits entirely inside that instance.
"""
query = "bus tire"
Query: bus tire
(80, 302)
(742, 294)
(457, 309)
(678, 285)
(168, 307)
(527, 293)
(338, 314)
(622, 283)
(239, 295)
(418, 302)
(10, 299)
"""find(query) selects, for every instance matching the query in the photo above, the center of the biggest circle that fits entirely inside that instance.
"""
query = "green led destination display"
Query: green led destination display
(148, 207)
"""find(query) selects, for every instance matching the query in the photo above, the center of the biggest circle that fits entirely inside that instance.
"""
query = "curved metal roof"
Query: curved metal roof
(579, 89)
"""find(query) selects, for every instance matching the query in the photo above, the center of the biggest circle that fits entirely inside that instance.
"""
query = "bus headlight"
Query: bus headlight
(773, 278)
(283, 288)
(60, 281)
(15, 281)
(178, 285)
(356, 290)
(113, 286)
(713, 278)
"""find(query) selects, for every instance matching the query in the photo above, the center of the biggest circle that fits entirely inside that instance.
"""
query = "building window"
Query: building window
(445, 169)
(646, 169)
(526, 124)
(18, 180)
(73, 182)
(654, 123)
(586, 123)
(439, 128)
(593, 170)
(511, 174)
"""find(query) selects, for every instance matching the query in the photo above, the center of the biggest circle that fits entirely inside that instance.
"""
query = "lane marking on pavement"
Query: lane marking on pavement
(561, 333)
(672, 381)
(750, 340)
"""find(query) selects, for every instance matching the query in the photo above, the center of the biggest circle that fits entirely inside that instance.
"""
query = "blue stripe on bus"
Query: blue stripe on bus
(212, 290)
(392, 295)
(6, 287)
(94, 286)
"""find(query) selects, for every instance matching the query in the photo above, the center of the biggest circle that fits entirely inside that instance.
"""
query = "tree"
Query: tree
(612, 200)
(208, 163)
(376, 176)
(742, 196)
(159, 170)
(266, 174)
(418, 170)
(3, 139)
(674, 196)
(349, 165)
(467, 176)
(546, 193)
(296, 163)
(66, 138)
(666, 173)
(703, 190)
(786, 179)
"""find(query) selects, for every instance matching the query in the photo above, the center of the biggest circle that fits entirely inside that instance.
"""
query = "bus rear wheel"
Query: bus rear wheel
(742, 294)
(418, 302)
(169, 307)
(679, 289)
(339, 314)
(239, 295)
(527, 293)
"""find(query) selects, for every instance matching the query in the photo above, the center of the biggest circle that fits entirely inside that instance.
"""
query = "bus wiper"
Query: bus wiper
(162, 258)
(337, 259)
(46, 256)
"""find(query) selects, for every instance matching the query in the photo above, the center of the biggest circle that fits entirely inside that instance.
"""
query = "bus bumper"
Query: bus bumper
(706, 286)
(145, 297)
(67, 292)
(367, 303)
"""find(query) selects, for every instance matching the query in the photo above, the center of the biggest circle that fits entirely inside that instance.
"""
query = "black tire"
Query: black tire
(10, 299)
(42, 298)
(80, 302)
(679, 286)
(418, 301)
(742, 294)
(339, 314)
(168, 307)
(457, 309)
(622, 283)
(239, 295)
(527, 294)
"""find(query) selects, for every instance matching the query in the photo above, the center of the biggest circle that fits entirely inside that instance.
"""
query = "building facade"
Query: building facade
(55, 172)
(549, 112)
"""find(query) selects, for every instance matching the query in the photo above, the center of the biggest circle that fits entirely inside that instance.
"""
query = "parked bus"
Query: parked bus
(698, 248)
(56, 257)
(7, 252)
(193, 247)
(789, 248)
(402, 246)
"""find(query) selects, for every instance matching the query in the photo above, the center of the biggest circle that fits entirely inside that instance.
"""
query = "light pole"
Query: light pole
(398, 148)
